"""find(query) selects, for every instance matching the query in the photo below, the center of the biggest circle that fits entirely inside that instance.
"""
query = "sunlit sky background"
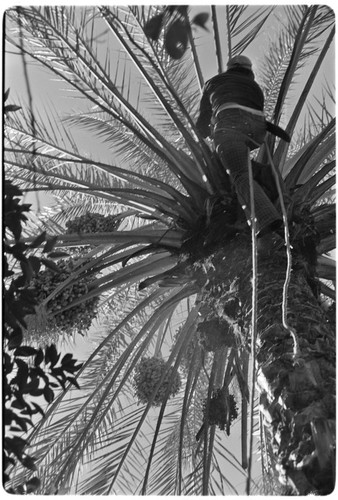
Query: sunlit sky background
(46, 91)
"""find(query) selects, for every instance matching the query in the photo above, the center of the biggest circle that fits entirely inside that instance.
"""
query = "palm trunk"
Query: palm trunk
(296, 400)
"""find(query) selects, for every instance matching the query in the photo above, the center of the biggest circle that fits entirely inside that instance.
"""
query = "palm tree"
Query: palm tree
(180, 278)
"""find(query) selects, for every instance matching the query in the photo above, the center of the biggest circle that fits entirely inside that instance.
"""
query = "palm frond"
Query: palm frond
(282, 148)
(326, 268)
(180, 346)
(306, 189)
(217, 40)
(95, 84)
(302, 164)
(241, 23)
(300, 37)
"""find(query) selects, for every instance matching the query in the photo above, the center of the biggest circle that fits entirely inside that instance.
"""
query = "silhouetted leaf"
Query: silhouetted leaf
(19, 403)
(18, 251)
(29, 462)
(38, 409)
(22, 374)
(35, 263)
(153, 27)
(27, 270)
(73, 381)
(33, 484)
(67, 359)
(37, 392)
(25, 351)
(33, 385)
(48, 394)
(11, 108)
(40, 239)
(7, 363)
(200, 20)
(176, 39)
(22, 423)
(39, 357)
(56, 255)
(51, 355)
(9, 416)
(12, 221)
(15, 338)
(16, 445)
(54, 384)
(24, 207)
(50, 244)
(11, 189)
(51, 265)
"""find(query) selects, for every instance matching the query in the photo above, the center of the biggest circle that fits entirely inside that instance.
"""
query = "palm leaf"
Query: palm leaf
(180, 346)
(326, 268)
(282, 148)
(248, 26)
(175, 300)
(98, 83)
(143, 304)
(305, 23)
(100, 410)
(322, 189)
(306, 189)
(303, 163)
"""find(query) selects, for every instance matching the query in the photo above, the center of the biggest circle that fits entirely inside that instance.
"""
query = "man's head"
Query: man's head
(239, 61)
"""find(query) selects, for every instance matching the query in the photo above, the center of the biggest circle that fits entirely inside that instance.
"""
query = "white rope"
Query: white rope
(296, 348)
(253, 321)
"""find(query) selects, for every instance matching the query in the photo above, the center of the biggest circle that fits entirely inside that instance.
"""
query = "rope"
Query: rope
(292, 332)
(253, 321)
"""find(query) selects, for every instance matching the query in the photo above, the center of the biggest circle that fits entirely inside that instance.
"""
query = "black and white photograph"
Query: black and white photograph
(168, 236)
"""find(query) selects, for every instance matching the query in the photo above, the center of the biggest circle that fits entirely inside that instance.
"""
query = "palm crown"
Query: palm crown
(174, 211)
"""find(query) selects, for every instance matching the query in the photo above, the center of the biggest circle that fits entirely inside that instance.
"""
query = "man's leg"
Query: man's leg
(234, 156)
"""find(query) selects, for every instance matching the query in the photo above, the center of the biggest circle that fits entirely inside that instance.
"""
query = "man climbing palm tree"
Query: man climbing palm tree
(233, 103)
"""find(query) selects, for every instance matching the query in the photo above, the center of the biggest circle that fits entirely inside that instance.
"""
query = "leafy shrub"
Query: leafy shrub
(28, 373)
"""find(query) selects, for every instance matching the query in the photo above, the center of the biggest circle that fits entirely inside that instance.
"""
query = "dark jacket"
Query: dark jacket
(235, 85)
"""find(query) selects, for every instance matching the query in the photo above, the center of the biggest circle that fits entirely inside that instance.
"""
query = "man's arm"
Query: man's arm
(203, 121)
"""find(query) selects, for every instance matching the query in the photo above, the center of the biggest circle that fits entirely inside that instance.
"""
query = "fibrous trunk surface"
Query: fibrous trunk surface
(297, 400)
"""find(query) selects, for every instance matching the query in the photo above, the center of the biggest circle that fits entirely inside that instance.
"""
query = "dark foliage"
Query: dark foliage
(214, 333)
(174, 20)
(30, 375)
(220, 410)
(9, 108)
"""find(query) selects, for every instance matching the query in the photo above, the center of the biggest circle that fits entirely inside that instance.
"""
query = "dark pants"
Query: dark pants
(236, 133)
